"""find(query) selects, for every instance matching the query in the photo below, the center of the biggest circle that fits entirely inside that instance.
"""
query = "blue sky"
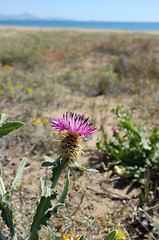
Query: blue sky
(101, 10)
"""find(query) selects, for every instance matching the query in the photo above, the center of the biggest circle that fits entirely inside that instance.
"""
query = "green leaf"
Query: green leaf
(17, 180)
(9, 127)
(3, 118)
(131, 127)
(155, 136)
(49, 162)
(85, 169)
(63, 195)
(40, 217)
(45, 209)
(57, 170)
(65, 191)
(111, 236)
(45, 190)
(99, 146)
(83, 238)
(7, 217)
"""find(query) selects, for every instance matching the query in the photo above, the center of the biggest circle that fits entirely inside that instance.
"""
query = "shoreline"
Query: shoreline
(89, 30)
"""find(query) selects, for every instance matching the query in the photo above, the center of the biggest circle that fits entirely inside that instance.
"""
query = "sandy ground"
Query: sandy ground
(19, 28)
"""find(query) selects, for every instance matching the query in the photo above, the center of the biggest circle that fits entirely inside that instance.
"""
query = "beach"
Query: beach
(85, 30)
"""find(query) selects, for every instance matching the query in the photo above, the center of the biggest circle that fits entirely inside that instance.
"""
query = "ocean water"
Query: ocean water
(139, 26)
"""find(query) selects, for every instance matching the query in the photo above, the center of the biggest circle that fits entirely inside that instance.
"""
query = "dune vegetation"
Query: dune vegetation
(110, 77)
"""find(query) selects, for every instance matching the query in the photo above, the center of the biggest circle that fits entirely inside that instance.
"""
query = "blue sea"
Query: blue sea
(139, 26)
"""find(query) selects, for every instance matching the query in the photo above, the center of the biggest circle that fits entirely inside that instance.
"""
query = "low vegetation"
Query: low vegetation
(45, 73)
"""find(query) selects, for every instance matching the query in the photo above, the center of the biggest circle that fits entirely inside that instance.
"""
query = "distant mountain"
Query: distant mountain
(24, 16)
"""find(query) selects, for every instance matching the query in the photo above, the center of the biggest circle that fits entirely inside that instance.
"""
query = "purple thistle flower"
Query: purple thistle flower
(114, 128)
(73, 123)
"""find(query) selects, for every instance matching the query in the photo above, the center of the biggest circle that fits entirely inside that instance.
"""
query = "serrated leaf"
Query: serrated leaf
(41, 217)
(17, 180)
(85, 169)
(3, 118)
(9, 127)
(45, 190)
(44, 208)
(111, 236)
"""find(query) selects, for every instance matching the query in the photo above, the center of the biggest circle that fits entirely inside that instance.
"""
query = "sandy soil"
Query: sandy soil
(19, 28)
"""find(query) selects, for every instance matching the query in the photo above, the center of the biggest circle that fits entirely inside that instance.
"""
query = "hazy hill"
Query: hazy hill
(23, 16)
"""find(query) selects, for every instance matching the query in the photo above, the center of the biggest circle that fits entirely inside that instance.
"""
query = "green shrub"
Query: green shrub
(131, 149)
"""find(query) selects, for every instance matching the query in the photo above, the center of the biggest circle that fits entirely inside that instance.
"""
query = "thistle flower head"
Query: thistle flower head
(75, 125)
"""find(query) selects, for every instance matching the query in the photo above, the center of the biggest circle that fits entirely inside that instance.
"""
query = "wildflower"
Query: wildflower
(57, 84)
(28, 89)
(47, 121)
(36, 121)
(70, 237)
(71, 234)
(114, 128)
(120, 234)
(64, 238)
(74, 125)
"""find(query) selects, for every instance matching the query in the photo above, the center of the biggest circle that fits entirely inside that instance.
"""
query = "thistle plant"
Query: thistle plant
(73, 127)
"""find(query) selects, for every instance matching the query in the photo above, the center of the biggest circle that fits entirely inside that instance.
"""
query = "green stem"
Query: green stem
(59, 169)
(41, 209)
(42, 214)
